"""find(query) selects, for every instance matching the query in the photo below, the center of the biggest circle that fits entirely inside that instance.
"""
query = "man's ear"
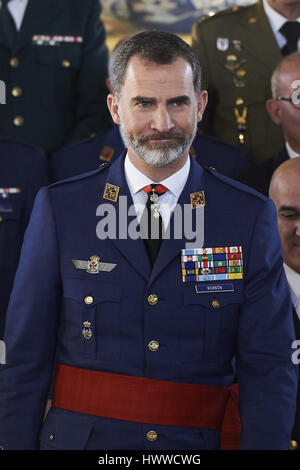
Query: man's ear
(274, 109)
(113, 106)
(202, 102)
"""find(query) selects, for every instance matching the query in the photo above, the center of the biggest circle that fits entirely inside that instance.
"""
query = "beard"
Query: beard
(160, 154)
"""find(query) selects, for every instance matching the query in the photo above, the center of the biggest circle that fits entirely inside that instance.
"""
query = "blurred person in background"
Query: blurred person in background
(53, 60)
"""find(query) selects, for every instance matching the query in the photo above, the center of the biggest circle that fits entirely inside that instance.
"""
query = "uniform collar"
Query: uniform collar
(291, 153)
(137, 180)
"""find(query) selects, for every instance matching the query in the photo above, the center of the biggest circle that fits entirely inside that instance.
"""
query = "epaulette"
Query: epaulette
(103, 166)
(225, 12)
(233, 183)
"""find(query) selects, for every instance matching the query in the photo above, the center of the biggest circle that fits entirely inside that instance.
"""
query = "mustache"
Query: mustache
(162, 136)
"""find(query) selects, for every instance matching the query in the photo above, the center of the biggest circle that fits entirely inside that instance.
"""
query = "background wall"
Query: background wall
(126, 16)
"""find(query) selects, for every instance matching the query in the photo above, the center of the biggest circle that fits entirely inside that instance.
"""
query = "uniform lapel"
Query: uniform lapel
(171, 248)
(133, 250)
(259, 39)
(38, 14)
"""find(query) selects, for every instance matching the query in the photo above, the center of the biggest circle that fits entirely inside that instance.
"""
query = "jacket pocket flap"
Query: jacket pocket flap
(97, 291)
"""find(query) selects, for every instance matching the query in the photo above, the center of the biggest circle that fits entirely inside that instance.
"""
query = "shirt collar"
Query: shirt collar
(137, 180)
(294, 282)
(276, 19)
(290, 151)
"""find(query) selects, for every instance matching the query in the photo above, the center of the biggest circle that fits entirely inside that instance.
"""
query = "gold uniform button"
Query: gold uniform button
(17, 91)
(14, 62)
(152, 299)
(293, 445)
(18, 121)
(151, 436)
(215, 303)
(51, 437)
(153, 345)
(88, 300)
(0, 218)
(66, 63)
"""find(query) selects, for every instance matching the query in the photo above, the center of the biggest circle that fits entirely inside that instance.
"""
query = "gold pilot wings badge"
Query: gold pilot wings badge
(93, 266)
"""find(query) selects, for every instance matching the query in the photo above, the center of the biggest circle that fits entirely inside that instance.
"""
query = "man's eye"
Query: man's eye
(178, 103)
(289, 215)
(144, 104)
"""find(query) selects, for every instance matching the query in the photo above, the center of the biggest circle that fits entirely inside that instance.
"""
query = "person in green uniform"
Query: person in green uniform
(240, 47)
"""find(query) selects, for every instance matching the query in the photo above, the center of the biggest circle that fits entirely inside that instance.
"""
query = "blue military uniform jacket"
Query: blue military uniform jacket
(55, 74)
(23, 171)
(88, 154)
(197, 337)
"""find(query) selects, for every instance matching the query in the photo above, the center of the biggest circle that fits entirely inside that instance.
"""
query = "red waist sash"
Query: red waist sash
(150, 401)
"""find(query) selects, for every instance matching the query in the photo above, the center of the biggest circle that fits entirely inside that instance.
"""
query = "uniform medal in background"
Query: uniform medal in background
(241, 112)
(222, 44)
(240, 78)
(5, 192)
(237, 44)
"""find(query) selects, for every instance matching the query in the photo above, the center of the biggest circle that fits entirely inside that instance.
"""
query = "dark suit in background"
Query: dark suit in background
(55, 74)
(259, 176)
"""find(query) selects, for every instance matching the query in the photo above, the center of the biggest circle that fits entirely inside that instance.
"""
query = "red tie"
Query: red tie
(158, 188)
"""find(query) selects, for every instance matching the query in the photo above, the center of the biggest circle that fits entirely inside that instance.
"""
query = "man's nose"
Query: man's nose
(297, 227)
(161, 120)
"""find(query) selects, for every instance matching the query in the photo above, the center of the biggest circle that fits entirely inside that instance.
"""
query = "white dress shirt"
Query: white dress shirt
(276, 21)
(294, 282)
(17, 10)
(167, 201)
(290, 151)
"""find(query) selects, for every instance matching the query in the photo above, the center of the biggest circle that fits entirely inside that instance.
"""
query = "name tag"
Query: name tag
(209, 288)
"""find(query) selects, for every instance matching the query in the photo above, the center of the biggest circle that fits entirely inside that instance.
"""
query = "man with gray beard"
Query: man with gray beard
(147, 335)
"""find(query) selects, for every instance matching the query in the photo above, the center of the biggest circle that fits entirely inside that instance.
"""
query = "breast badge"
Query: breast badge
(87, 331)
(93, 266)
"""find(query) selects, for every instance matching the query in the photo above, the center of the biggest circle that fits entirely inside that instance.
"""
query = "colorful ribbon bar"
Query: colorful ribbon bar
(211, 264)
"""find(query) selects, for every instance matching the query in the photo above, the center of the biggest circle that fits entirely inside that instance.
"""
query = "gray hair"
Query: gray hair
(276, 83)
(153, 46)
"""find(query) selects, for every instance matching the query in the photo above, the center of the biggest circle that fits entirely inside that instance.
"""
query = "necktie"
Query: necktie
(7, 23)
(291, 31)
(151, 219)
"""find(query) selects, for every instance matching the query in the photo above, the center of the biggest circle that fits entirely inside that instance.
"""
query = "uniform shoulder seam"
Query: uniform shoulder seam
(235, 184)
(82, 176)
